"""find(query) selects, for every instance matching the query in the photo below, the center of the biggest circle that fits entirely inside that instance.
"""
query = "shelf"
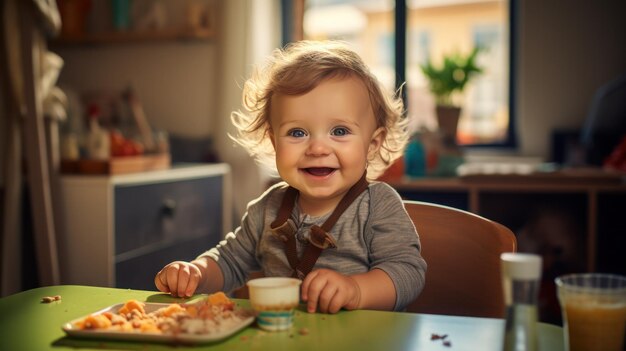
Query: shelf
(589, 198)
(125, 37)
(117, 165)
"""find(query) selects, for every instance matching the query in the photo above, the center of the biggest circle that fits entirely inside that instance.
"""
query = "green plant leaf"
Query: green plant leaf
(452, 76)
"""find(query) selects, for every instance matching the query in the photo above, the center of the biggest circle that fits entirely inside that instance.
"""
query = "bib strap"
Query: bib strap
(319, 238)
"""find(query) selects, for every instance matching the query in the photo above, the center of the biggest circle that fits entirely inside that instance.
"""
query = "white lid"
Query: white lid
(523, 266)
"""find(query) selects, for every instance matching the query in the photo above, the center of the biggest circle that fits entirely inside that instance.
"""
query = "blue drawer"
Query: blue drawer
(149, 217)
(138, 272)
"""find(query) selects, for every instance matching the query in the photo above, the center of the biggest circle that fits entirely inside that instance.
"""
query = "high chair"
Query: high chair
(462, 251)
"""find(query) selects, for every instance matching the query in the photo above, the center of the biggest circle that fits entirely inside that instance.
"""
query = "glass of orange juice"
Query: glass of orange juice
(594, 311)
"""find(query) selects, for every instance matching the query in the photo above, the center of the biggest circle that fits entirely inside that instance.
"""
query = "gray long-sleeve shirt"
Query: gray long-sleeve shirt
(375, 231)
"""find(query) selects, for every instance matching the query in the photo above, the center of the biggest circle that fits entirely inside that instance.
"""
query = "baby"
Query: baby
(318, 115)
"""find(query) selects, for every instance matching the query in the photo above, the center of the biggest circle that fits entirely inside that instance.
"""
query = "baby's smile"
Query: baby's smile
(319, 171)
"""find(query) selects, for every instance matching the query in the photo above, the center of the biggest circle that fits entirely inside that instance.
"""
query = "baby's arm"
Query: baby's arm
(182, 278)
(377, 290)
(329, 291)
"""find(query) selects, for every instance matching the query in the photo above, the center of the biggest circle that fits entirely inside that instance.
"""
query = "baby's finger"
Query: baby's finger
(172, 278)
(336, 303)
(316, 286)
(194, 280)
(326, 296)
(192, 285)
(183, 281)
(305, 284)
(161, 282)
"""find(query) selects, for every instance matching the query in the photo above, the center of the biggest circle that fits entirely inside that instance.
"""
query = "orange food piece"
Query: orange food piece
(219, 298)
(95, 321)
(148, 326)
(204, 308)
(171, 309)
(192, 311)
(131, 305)
(123, 327)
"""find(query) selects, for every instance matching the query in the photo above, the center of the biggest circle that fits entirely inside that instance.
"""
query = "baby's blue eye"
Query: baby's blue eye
(340, 131)
(296, 133)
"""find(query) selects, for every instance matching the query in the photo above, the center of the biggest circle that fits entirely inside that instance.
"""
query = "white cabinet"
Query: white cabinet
(121, 229)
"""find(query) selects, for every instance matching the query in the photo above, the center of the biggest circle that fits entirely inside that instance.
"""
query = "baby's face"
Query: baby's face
(323, 139)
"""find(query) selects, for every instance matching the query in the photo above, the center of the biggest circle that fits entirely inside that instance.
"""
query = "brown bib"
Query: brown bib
(319, 239)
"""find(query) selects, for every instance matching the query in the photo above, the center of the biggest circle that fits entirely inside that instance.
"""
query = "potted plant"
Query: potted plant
(445, 82)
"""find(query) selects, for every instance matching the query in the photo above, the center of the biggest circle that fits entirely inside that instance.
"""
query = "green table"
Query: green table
(28, 324)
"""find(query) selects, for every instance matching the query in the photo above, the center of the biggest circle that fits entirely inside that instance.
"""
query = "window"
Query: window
(431, 28)
(366, 24)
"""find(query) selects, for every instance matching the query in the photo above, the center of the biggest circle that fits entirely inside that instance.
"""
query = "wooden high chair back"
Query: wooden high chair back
(462, 251)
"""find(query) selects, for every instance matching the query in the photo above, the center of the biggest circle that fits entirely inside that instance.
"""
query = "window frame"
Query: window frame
(293, 14)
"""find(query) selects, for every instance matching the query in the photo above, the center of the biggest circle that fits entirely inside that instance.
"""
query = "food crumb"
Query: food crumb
(442, 337)
(48, 299)
(303, 331)
(244, 338)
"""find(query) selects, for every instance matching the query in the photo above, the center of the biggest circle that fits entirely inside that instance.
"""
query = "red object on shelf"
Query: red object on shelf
(74, 15)
(617, 159)
(394, 172)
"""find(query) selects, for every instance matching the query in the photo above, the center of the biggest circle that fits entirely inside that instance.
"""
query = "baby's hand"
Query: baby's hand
(178, 278)
(330, 291)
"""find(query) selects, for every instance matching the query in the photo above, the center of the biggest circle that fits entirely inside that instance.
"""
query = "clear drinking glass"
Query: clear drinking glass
(594, 311)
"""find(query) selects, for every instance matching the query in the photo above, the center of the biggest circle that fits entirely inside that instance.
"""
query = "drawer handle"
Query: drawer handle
(168, 208)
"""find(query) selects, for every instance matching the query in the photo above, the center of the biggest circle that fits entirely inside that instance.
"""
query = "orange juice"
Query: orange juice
(592, 326)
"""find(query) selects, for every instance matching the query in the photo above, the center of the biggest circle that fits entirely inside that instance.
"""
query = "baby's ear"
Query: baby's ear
(376, 141)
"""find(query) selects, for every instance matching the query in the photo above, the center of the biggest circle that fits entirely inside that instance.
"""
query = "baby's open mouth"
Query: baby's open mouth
(319, 171)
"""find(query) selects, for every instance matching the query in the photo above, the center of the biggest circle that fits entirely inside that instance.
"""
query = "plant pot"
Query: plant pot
(448, 120)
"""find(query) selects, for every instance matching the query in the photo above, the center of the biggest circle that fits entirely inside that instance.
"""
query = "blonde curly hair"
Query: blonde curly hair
(299, 68)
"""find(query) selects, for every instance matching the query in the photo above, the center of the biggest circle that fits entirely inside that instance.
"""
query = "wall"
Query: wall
(568, 49)
(175, 81)
(249, 31)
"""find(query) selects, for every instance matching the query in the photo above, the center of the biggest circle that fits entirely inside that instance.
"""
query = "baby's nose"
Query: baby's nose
(318, 147)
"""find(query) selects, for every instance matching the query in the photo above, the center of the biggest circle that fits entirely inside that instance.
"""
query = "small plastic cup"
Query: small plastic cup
(274, 299)
(594, 311)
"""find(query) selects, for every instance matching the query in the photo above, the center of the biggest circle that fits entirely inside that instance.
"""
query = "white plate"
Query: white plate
(71, 329)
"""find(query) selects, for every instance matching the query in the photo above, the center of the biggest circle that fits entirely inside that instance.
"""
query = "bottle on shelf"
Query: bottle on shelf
(415, 159)
(97, 143)
(521, 279)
